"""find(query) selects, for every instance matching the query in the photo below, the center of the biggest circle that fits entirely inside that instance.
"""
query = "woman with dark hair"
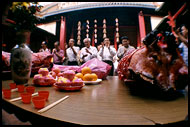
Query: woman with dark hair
(183, 38)
(183, 35)
(58, 54)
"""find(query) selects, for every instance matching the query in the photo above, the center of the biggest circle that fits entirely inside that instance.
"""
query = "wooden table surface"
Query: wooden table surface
(109, 102)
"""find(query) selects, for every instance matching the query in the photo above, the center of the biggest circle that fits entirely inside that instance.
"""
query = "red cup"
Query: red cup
(39, 102)
(20, 88)
(30, 89)
(26, 97)
(44, 94)
(12, 85)
(7, 93)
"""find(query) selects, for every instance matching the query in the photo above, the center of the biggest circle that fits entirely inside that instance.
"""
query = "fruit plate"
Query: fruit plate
(93, 82)
(67, 88)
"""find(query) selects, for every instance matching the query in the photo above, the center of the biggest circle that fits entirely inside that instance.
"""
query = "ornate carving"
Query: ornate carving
(117, 29)
(79, 33)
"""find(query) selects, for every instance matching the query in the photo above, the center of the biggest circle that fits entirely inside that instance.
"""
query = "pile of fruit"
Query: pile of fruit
(43, 77)
(67, 78)
(64, 80)
(87, 75)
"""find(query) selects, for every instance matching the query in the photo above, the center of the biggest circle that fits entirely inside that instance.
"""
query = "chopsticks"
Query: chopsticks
(53, 104)
(13, 90)
(19, 98)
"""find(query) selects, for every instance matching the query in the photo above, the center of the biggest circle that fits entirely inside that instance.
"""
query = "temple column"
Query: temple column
(142, 29)
(93, 39)
(115, 41)
(62, 33)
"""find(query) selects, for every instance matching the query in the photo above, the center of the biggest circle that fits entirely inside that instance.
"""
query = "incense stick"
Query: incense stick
(19, 98)
(53, 104)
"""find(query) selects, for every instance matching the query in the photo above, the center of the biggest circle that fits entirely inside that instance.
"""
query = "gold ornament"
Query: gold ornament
(78, 38)
(116, 20)
(104, 31)
(79, 23)
(104, 36)
(104, 21)
(87, 21)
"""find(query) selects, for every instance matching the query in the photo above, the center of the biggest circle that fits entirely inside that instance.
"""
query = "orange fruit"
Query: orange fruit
(56, 70)
(87, 77)
(94, 77)
(86, 70)
(79, 75)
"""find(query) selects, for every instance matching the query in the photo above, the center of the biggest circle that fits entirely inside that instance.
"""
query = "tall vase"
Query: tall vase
(21, 59)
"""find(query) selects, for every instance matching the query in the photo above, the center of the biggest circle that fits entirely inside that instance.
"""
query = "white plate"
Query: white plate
(93, 82)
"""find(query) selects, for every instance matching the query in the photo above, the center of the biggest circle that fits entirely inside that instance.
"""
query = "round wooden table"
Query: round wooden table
(107, 103)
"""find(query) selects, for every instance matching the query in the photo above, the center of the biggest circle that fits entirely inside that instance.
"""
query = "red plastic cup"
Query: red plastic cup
(39, 102)
(20, 88)
(12, 85)
(30, 89)
(7, 93)
(26, 97)
(44, 94)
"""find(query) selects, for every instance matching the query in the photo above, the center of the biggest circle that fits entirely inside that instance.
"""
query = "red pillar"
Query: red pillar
(62, 33)
(115, 41)
(141, 28)
(93, 39)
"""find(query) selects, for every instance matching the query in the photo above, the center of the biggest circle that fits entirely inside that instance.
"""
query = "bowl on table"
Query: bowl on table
(39, 102)
(20, 88)
(30, 89)
(7, 93)
(12, 85)
(26, 97)
(43, 94)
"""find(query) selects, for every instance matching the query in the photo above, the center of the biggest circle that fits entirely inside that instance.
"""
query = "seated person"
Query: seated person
(44, 47)
(72, 52)
(124, 48)
(58, 54)
(88, 52)
(107, 53)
